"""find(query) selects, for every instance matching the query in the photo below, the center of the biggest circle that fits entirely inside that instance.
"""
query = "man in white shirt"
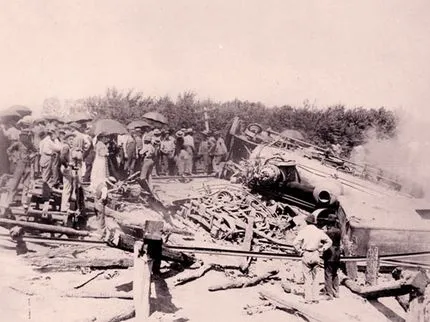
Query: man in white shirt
(190, 148)
(47, 147)
(310, 243)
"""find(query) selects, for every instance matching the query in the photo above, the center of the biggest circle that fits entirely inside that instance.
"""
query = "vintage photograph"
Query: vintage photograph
(197, 160)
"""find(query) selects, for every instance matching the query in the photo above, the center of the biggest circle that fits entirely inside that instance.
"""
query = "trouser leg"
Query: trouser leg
(55, 169)
(146, 170)
(181, 166)
(308, 281)
(13, 183)
(88, 160)
(315, 284)
(65, 196)
(171, 165)
(26, 183)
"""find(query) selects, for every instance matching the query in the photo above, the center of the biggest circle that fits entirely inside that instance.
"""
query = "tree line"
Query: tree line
(348, 127)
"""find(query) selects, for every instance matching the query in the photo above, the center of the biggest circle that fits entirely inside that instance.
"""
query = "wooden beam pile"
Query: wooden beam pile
(238, 216)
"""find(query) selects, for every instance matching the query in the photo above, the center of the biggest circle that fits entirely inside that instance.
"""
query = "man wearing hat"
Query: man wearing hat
(55, 164)
(156, 141)
(66, 169)
(83, 142)
(190, 148)
(219, 153)
(147, 155)
(47, 147)
(310, 243)
(204, 153)
(181, 154)
(332, 258)
(22, 155)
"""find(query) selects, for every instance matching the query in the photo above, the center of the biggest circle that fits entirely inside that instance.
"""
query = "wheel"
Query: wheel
(225, 196)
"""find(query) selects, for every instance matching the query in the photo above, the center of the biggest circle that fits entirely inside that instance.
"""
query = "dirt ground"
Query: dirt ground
(30, 295)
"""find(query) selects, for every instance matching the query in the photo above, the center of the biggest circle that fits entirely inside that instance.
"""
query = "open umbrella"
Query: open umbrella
(107, 127)
(20, 109)
(156, 117)
(9, 116)
(79, 117)
(136, 124)
(51, 117)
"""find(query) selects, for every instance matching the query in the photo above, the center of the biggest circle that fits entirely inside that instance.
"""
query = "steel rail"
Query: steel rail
(221, 251)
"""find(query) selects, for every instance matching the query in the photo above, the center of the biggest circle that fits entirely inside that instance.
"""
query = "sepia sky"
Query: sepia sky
(361, 53)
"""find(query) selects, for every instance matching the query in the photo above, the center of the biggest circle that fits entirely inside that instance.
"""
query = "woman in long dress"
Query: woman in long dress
(100, 172)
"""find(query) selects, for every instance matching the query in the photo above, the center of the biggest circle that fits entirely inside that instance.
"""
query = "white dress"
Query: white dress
(99, 172)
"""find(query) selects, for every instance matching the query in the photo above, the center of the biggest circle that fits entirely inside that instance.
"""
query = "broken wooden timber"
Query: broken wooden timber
(99, 295)
(44, 227)
(124, 315)
(247, 243)
(394, 288)
(244, 283)
(63, 264)
(294, 308)
(95, 275)
(193, 275)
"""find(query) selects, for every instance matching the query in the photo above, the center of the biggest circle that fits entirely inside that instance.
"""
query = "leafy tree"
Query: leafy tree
(321, 126)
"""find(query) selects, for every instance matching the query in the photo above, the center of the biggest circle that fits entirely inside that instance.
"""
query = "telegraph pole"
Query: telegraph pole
(206, 117)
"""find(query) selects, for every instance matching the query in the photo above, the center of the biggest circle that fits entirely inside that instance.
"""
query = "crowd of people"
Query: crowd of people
(62, 153)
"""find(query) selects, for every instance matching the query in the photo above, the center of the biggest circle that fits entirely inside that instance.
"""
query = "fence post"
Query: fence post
(372, 267)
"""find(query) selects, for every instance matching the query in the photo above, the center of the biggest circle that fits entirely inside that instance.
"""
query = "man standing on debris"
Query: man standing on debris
(332, 259)
(168, 152)
(204, 153)
(22, 154)
(47, 147)
(310, 243)
(147, 154)
(181, 154)
(190, 147)
(220, 152)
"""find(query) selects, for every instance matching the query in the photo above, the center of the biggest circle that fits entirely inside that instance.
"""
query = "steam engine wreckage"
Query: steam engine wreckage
(373, 207)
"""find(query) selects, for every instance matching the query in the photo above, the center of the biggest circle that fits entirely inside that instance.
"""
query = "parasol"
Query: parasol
(20, 109)
(79, 117)
(9, 116)
(156, 117)
(107, 127)
(136, 124)
(52, 117)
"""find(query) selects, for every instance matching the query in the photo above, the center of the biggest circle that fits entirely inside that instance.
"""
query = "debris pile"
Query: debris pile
(227, 212)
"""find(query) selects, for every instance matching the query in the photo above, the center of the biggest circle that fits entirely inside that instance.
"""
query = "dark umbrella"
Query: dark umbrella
(9, 116)
(107, 127)
(20, 109)
(136, 124)
(156, 117)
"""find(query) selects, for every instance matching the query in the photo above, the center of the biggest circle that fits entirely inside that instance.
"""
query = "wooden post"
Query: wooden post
(247, 243)
(141, 282)
(351, 267)
(146, 255)
(372, 268)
